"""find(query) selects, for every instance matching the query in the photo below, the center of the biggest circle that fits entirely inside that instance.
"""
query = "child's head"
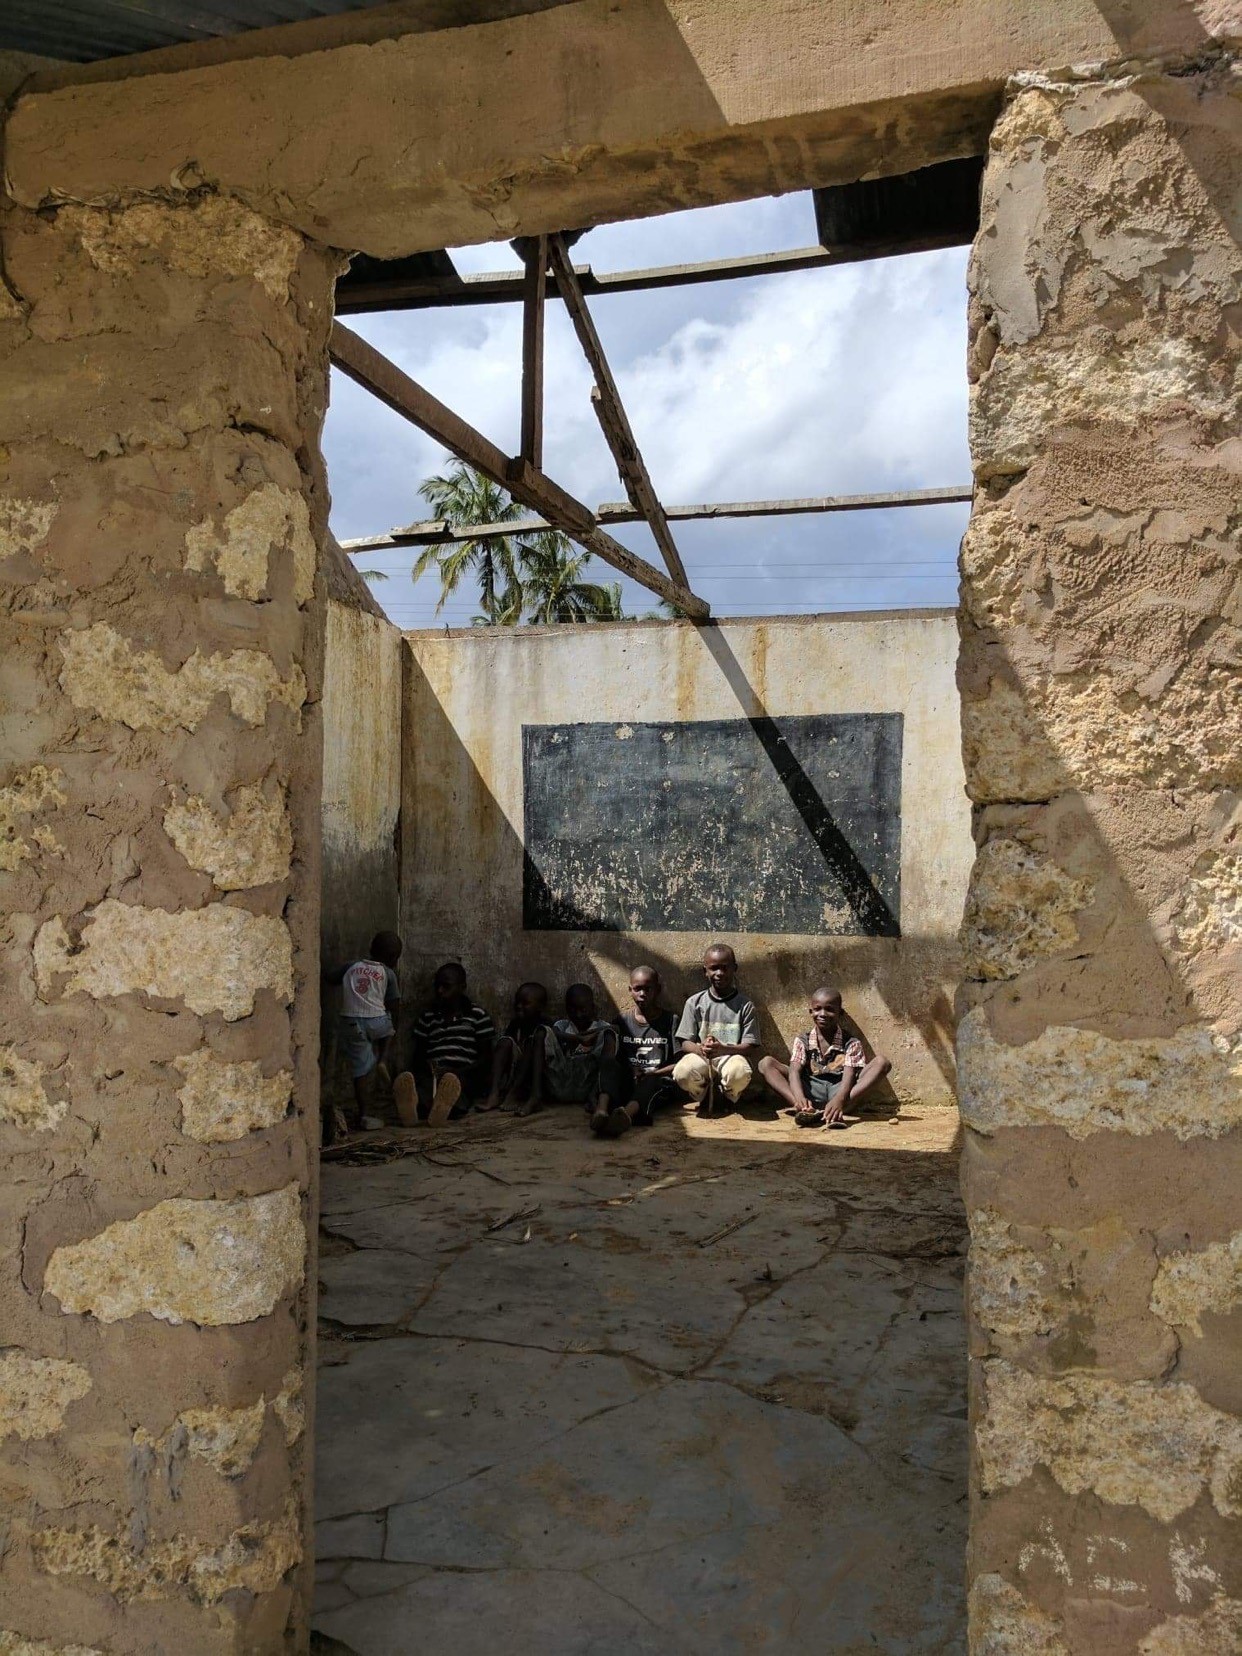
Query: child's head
(449, 984)
(645, 988)
(825, 1009)
(530, 1002)
(580, 1004)
(386, 948)
(720, 968)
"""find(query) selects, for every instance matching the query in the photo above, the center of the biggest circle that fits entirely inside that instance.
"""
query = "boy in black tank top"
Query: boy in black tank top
(639, 1079)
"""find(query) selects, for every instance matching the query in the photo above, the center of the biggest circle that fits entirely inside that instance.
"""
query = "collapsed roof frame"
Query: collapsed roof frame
(934, 207)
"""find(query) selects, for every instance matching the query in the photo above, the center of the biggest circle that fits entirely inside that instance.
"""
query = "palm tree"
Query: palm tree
(534, 576)
(554, 589)
(462, 496)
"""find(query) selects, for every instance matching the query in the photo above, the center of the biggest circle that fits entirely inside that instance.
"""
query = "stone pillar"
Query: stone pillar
(1101, 1020)
(162, 387)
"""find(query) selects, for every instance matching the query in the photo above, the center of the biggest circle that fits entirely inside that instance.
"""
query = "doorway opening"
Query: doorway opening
(625, 1394)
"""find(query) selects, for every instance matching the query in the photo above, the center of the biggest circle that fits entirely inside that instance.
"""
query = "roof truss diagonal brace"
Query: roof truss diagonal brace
(609, 410)
(525, 482)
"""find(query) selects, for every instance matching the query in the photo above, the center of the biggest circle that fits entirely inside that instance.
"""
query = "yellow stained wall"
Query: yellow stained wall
(468, 695)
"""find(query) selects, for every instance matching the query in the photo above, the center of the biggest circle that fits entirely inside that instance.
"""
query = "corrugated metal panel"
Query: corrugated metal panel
(80, 31)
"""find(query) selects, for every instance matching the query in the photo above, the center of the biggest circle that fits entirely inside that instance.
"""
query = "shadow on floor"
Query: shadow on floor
(699, 1390)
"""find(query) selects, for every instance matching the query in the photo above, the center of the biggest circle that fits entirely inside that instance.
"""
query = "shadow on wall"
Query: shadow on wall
(463, 870)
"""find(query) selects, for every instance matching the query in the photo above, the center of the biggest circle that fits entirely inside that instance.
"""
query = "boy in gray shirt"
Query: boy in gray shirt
(718, 1033)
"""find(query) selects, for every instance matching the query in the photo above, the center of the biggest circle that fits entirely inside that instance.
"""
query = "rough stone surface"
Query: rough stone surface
(212, 237)
(225, 1438)
(254, 1558)
(1086, 1083)
(106, 674)
(222, 1101)
(215, 959)
(1189, 1284)
(16, 1644)
(1020, 909)
(1155, 1446)
(1217, 1632)
(30, 792)
(620, 1434)
(35, 1392)
(289, 1406)
(206, 1262)
(250, 847)
(24, 1100)
(1002, 1623)
(268, 519)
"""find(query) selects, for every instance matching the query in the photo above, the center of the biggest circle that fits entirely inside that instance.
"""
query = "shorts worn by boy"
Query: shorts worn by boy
(823, 1062)
(733, 1021)
(366, 988)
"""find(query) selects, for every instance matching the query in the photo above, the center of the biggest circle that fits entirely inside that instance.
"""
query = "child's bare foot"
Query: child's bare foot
(620, 1121)
(448, 1091)
(491, 1102)
(599, 1122)
(405, 1097)
(525, 1106)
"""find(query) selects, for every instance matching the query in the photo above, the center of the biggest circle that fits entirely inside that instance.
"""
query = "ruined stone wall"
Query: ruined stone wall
(162, 376)
(1101, 1039)
(470, 693)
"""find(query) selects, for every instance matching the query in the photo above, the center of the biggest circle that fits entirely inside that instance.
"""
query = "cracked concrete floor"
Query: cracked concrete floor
(705, 1393)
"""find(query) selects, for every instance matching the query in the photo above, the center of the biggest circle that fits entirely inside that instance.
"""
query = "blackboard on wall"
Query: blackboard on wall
(730, 825)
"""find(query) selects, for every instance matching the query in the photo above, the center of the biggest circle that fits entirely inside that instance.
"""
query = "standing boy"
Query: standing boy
(370, 1005)
(639, 1079)
(453, 1041)
(718, 1033)
(827, 1069)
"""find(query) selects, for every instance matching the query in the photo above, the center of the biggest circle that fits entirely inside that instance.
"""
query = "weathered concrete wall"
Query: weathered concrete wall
(581, 113)
(361, 795)
(361, 779)
(471, 692)
(1101, 1039)
(163, 382)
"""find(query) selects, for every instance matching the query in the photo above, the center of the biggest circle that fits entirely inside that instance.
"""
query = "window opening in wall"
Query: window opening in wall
(605, 1389)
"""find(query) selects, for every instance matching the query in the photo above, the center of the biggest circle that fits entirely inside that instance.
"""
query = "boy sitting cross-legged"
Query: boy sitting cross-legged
(639, 1079)
(453, 1041)
(827, 1069)
(718, 1033)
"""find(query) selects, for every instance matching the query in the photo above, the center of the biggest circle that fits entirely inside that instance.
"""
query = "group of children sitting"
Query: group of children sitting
(620, 1073)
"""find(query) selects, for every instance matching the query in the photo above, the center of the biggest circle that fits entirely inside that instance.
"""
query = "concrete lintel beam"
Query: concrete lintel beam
(579, 114)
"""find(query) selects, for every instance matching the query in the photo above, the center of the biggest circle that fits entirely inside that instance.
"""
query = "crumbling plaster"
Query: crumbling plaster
(164, 380)
(1098, 1042)
(164, 359)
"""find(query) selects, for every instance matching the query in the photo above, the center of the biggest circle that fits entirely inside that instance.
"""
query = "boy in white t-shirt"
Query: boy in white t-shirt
(370, 1003)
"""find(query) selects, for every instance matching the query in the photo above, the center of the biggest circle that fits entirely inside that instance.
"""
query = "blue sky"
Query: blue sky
(817, 382)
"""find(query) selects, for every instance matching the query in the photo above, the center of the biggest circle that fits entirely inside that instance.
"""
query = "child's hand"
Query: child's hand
(709, 1044)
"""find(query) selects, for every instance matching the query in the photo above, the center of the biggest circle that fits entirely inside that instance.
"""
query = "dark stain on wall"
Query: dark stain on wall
(738, 825)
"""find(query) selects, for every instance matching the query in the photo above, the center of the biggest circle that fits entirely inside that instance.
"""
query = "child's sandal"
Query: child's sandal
(809, 1118)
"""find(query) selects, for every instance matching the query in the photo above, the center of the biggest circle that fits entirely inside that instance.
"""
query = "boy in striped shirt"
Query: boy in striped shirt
(453, 1041)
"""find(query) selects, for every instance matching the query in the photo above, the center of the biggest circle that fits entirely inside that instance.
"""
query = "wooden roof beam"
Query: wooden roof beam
(526, 483)
(438, 531)
(610, 411)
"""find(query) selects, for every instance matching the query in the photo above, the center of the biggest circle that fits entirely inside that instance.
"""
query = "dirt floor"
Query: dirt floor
(699, 1390)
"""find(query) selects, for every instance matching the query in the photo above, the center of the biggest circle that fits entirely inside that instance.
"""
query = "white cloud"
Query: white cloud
(830, 381)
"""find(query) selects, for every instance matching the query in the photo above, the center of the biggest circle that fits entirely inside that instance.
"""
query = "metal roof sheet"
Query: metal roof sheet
(81, 31)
